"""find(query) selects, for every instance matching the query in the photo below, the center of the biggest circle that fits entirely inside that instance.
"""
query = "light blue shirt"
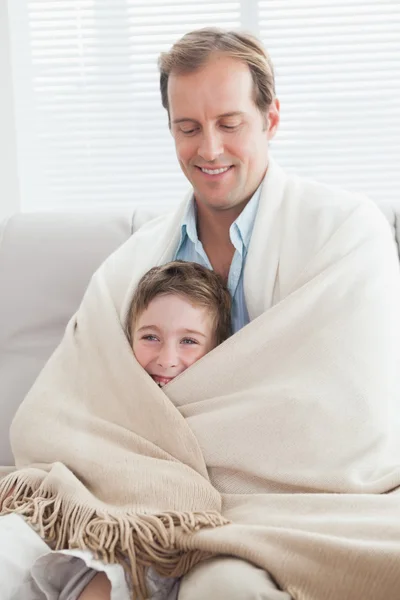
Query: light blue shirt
(191, 249)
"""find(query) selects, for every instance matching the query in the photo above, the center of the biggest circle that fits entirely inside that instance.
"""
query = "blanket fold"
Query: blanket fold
(281, 446)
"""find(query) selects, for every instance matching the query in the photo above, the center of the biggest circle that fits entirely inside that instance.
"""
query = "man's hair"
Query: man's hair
(195, 48)
(201, 286)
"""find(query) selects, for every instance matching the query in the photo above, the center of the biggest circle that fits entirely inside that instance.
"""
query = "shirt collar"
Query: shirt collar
(241, 229)
(189, 226)
(244, 224)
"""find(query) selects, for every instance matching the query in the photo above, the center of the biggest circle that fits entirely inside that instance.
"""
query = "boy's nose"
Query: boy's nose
(167, 358)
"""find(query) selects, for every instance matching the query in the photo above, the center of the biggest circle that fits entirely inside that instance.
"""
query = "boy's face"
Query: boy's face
(170, 335)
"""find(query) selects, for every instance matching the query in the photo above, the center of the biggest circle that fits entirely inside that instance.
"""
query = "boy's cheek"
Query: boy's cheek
(142, 354)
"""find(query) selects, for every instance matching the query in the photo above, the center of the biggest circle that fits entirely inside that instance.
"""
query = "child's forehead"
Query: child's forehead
(178, 300)
(176, 308)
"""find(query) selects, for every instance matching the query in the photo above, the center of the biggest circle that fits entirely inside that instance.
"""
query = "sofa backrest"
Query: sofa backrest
(46, 261)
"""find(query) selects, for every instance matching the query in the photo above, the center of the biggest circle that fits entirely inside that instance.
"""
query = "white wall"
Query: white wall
(9, 188)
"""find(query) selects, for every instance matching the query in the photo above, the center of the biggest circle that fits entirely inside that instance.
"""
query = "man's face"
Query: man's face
(221, 137)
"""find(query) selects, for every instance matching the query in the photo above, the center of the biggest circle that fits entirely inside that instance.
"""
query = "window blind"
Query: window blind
(91, 127)
(338, 79)
(91, 130)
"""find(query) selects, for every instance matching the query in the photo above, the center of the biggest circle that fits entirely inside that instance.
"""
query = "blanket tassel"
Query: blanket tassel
(136, 541)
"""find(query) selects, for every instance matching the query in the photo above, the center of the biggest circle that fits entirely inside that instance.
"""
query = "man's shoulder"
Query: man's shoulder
(150, 230)
(319, 209)
(306, 203)
(321, 198)
(147, 222)
(144, 221)
(312, 213)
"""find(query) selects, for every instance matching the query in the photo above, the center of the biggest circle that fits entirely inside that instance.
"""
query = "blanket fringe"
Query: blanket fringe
(136, 541)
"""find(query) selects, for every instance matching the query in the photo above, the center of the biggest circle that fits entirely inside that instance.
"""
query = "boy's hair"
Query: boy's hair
(191, 281)
(195, 48)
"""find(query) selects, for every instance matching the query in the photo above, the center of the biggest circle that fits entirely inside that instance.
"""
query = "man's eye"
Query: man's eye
(231, 127)
(188, 131)
(188, 341)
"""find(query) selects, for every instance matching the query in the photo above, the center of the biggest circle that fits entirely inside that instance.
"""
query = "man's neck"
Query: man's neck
(215, 225)
(213, 232)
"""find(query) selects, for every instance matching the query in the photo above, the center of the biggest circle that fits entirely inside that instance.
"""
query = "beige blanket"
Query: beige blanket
(289, 429)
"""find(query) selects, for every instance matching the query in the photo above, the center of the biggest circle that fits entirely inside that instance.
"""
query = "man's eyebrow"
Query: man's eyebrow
(176, 121)
(235, 113)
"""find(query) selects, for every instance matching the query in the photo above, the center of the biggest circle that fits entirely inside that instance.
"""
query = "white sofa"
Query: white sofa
(46, 261)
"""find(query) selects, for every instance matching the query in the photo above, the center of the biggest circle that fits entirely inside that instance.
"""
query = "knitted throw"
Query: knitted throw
(281, 446)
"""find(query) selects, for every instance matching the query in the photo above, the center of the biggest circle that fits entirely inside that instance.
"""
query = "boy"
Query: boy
(179, 312)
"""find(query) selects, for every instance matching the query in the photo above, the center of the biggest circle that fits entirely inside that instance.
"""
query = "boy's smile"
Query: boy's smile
(161, 381)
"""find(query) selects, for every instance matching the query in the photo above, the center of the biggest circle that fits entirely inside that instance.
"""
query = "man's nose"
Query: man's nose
(211, 146)
(167, 357)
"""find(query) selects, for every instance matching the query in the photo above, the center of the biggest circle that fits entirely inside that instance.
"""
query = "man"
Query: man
(294, 416)
(218, 89)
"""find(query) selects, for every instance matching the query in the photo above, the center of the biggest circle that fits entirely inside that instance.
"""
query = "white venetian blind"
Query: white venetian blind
(91, 130)
(338, 78)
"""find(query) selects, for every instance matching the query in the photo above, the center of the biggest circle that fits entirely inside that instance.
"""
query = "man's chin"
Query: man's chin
(219, 203)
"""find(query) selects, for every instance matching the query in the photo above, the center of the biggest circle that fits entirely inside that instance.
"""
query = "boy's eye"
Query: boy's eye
(189, 341)
(150, 338)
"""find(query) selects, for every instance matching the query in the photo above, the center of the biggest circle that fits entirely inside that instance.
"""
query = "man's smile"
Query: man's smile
(215, 173)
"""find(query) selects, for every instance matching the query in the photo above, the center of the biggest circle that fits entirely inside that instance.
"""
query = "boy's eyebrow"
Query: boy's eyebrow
(193, 332)
(148, 327)
(181, 331)
(234, 113)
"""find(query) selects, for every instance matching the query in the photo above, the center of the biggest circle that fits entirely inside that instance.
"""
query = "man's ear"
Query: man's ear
(273, 118)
